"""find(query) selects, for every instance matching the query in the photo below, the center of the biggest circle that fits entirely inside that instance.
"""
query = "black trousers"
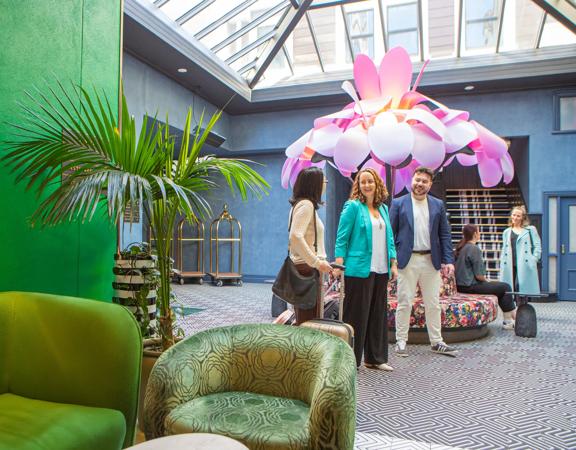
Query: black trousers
(366, 309)
(496, 288)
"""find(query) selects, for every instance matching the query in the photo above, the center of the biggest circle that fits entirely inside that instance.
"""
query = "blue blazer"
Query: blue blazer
(354, 238)
(402, 218)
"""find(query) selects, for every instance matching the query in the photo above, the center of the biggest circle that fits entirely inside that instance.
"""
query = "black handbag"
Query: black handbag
(294, 288)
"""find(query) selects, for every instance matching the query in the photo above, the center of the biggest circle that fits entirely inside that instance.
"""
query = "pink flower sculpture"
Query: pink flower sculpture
(390, 124)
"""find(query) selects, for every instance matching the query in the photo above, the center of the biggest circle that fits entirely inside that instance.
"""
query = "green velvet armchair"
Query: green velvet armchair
(69, 373)
(267, 386)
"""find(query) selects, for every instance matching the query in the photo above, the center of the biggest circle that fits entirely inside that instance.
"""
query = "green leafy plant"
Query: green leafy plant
(70, 148)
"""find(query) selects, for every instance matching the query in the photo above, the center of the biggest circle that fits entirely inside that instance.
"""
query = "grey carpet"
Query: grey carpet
(501, 392)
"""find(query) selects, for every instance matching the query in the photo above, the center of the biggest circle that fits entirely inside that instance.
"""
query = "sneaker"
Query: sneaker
(382, 366)
(401, 349)
(444, 349)
(508, 325)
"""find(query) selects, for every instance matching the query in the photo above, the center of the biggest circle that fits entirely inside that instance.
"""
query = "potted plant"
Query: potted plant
(95, 159)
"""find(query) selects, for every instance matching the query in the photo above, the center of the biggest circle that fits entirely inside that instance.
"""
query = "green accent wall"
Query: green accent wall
(75, 41)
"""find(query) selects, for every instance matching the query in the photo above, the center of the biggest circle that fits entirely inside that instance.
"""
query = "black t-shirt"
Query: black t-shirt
(513, 238)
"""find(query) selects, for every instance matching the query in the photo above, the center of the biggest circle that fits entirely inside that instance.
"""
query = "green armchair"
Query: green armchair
(69, 373)
(268, 386)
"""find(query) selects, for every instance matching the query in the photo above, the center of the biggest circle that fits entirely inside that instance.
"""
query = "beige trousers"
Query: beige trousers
(419, 270)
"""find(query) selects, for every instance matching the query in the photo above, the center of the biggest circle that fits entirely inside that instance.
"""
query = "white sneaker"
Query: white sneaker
(401, 349)
(508, 325)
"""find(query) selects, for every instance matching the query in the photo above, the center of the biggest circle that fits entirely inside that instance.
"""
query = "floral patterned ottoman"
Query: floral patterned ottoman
(464, 316)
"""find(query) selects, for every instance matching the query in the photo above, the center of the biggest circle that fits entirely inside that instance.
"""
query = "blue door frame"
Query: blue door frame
(546, 251)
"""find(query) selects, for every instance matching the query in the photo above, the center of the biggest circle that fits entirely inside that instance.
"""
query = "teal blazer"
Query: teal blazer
(354, 238)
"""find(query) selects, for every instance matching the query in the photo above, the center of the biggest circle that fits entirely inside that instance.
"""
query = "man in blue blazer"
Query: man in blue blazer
(424, 247)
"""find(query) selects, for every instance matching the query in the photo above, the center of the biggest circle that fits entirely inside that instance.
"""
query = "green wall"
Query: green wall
(72, 40)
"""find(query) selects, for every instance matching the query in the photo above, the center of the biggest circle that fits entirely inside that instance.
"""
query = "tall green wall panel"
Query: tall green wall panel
(75, 41)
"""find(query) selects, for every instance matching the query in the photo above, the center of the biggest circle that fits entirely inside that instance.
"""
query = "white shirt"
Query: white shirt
(421, 224)
(379, 263)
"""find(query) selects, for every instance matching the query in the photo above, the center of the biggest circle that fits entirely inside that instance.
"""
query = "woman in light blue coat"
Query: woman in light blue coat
(521, 251)
(365, 245)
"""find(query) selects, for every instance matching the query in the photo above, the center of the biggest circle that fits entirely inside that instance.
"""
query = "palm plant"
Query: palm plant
(70, 147)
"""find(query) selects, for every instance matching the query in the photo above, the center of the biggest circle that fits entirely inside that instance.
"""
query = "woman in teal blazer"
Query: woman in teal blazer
(365, 245)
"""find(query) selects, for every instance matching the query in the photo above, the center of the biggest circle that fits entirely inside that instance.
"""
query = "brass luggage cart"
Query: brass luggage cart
(196, 272)
(217, 276)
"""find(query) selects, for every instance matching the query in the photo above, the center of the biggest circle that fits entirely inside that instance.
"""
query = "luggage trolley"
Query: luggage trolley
(198, 238)
(215, 241)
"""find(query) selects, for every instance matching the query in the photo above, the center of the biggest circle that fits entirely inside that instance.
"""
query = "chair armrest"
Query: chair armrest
(197, 366)
(333, 409)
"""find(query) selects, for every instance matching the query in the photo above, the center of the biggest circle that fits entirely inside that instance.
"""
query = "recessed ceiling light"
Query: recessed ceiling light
(182, 70)
(469, 88)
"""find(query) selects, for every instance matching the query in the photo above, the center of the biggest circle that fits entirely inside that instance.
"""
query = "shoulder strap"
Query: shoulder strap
(315, 231)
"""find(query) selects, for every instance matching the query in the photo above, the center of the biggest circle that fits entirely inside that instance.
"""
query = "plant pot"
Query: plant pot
(152, 351)
(135, 288)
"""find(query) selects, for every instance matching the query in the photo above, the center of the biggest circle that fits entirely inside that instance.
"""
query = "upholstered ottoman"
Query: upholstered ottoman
(464, 316)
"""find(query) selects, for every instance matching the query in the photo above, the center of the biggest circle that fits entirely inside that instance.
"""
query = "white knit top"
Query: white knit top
(302, 235)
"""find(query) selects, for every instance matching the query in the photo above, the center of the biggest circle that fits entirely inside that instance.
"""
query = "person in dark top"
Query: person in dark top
(471, 275)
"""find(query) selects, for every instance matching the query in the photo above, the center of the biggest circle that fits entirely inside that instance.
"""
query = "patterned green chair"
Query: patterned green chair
(268, 386)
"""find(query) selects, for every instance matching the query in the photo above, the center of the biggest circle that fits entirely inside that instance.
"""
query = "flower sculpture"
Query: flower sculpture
(390, 124)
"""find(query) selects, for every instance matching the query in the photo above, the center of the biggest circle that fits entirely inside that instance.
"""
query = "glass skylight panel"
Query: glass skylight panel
(328, 26)
(237, 24)
(402, 26)
(520, 25)
(301, 50)
(441, 25)
(555, 33)
(278, 71)
(177, 8)
(209, 15)
(361, 30)
(248, 57)
(480, 25)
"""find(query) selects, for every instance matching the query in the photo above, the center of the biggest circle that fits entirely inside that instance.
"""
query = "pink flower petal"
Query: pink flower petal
(489, 169)
(507, 167)
(395, 74)
(428, 150)
(371, 106)
(366, 77)
(296, 148)
(347, 113)
(493, 146)
(459, 134)
(391, 143)
(453, 114)
(428, 119)
(351, 149)
(324, 139)
(467, 160)
(287, 169)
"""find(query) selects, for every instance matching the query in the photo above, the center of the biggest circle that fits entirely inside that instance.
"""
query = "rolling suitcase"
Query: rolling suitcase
(333, 326)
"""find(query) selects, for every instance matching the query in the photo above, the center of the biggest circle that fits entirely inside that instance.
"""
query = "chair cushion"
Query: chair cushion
(258, 421)
(27, 424)
(458, 311)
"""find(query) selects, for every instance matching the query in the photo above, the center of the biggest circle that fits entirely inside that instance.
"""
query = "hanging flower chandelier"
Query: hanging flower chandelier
(390, 124)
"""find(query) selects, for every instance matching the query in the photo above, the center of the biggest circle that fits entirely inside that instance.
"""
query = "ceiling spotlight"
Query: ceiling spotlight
(182, 70)
(469, 88)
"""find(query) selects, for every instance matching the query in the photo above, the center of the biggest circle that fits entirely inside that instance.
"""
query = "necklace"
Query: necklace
(380, 222)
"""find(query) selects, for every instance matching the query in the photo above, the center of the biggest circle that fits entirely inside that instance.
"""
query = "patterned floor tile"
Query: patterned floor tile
(502, 391)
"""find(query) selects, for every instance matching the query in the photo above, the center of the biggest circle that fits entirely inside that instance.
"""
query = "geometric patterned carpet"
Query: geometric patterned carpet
(501, 392)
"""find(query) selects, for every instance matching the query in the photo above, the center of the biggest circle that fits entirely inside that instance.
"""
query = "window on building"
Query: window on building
(402, 21)
(481, 23)
(565, 112)
(361, 29)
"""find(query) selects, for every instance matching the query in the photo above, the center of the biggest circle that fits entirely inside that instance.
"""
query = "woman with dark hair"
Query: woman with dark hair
(365, 244)
(306, 232)
(521, 251)
(471, 275)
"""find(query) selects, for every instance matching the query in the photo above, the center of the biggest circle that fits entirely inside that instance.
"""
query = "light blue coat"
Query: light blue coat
(528, 253)
(354, 238)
